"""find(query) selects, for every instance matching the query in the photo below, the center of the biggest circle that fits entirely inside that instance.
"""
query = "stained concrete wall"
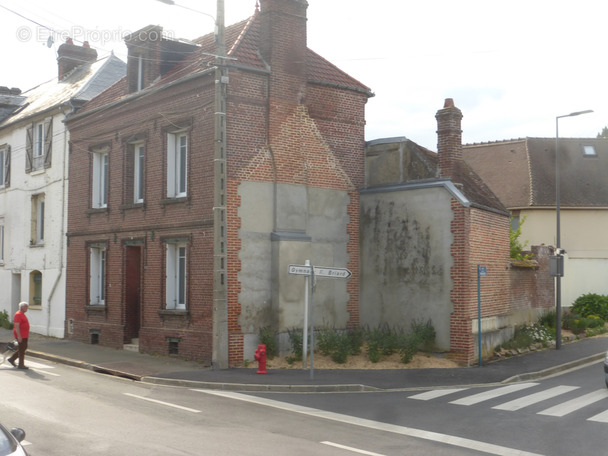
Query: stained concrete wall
(405, 258)
(311, 225)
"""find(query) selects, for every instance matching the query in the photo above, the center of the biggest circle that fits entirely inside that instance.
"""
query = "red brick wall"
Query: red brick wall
(480, 238)
(157, 219)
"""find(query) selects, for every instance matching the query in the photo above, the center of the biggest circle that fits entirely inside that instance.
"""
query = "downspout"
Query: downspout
(63, 204)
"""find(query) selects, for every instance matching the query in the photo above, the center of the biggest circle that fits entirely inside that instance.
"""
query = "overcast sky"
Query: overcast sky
(511, 67)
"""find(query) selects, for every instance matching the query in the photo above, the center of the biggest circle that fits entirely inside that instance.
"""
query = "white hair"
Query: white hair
(22, 304)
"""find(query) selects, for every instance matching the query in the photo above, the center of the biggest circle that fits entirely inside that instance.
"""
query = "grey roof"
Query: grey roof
(80, 85)
(521, 172)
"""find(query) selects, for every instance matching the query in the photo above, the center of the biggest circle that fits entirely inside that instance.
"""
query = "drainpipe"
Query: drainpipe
(63, 222)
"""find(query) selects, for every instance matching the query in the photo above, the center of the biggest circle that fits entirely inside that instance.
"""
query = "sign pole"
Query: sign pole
(481, 271)
(312, 323)
(305, 335)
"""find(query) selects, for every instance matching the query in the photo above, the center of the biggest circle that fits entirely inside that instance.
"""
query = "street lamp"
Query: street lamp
(559, 272)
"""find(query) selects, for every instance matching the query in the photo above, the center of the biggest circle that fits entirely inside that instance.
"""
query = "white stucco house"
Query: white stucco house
(34, 154)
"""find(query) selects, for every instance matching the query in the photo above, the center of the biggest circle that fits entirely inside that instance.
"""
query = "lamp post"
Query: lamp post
(558, 251)
(220, 349)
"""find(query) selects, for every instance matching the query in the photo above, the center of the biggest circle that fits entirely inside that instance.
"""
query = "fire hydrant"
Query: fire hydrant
(260, 357)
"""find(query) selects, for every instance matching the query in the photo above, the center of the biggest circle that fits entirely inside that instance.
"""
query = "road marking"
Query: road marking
(531, 399)
(354, 450)
(600, 417)
(375, 425)
(576, 403)
(168, 404)
(434, 394)
(34, 366)
(492, 394)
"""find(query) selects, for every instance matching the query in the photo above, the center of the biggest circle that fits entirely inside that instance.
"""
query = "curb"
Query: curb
(249, 387)
(556, 369)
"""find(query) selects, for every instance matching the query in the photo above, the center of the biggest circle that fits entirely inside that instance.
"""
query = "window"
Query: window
(97, 289)
(177, 160)
(176, 276)
(38, 145)
(1, 241)
(589, 151)
(38, 140)
(37, 231)
(138, 173)
(100, 178)
(5, 165)
(35, 288)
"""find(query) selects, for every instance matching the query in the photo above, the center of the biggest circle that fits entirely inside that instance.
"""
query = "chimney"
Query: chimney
(449, 138)
(70, 56)
(283, 47)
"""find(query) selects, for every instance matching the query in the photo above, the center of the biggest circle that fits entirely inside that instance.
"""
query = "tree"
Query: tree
(516, 245)
(603, 134)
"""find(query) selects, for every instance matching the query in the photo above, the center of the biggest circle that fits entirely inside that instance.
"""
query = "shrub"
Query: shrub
(5, 321)
(591, 304)
(268, 337)
(297, 348)
(327, 341)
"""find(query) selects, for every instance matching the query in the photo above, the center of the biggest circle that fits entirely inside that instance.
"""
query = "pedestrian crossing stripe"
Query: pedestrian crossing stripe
(28, 363)
(559, 410)
(493, 394)
(535, 398)
(434, 394)
(576, 403)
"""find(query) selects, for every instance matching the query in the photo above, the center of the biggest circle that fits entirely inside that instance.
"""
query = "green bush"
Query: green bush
(591, 304)
(296, 338)
(268, 337)
(5, 321)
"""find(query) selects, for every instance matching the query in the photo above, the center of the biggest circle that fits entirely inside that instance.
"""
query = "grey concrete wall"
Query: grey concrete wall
(406, 260)
(310, 225)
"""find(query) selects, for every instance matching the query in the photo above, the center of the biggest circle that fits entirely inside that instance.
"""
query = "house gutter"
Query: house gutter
(447, 184)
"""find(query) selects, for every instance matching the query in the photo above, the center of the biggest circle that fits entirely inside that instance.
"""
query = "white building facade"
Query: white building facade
(34, 153)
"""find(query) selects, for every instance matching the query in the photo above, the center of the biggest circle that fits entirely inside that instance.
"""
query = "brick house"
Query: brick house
(34, 183)
(146, 205)
(427, 222)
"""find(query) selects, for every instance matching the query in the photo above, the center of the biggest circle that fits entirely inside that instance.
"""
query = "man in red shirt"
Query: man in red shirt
(21, 331)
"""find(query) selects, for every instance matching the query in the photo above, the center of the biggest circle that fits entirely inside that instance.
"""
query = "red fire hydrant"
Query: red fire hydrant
(260, 357)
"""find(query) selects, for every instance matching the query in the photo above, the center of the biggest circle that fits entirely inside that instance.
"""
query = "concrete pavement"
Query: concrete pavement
(164, 370)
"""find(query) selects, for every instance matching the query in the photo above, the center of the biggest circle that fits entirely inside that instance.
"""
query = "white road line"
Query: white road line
(434, 394)
(376, 425)
(600, 417)
(354, 450)
(168, 404)
(492, 394)
(525, 401)
(576, 403)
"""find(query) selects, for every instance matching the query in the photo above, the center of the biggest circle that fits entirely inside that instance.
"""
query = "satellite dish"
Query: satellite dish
(49, 42)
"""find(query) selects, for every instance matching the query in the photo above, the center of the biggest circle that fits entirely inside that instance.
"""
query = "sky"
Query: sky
(511, 67)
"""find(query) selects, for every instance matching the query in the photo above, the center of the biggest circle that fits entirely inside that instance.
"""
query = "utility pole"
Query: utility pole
(220, 350)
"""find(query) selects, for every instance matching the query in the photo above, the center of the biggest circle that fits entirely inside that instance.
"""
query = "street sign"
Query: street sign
(334, 273)
(483, 271)
(320, 271)
(299, 269)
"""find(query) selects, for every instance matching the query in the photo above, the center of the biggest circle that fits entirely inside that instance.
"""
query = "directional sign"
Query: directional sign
(320, 271)
(299, 269)
(335, 273)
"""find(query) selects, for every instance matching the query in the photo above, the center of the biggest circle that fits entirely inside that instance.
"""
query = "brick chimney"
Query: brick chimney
(283, 47)
(449, 138)
(70, 56)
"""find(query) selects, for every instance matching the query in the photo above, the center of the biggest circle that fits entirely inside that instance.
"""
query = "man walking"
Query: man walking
(21, 331)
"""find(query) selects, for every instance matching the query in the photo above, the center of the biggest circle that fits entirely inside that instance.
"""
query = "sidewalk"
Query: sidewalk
(165, 370)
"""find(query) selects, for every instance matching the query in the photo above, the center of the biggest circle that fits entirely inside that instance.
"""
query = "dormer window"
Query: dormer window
(589, 151)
